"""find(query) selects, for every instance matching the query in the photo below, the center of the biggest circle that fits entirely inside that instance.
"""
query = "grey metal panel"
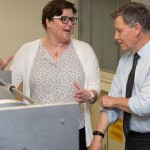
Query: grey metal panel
(40, 127)
(97, 28)
(110, 48)
(4, 92)
(6, 76)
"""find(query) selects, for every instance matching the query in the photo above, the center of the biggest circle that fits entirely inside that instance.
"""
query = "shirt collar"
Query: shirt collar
(145, 50)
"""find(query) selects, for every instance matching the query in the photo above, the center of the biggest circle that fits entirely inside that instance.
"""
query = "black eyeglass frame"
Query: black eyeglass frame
(63, 18)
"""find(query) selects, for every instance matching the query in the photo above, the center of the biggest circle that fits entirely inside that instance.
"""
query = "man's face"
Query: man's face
(125, 35)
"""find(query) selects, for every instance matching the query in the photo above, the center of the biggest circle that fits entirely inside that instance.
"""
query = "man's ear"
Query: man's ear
(138, 28)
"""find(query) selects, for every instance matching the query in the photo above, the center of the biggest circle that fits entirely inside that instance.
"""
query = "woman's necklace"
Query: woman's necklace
(55, 52)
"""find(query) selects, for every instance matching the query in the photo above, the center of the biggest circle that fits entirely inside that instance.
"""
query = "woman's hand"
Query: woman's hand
(82, 95)
(4, 63)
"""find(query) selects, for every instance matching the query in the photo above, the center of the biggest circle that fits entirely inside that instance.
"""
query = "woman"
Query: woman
(58, 69)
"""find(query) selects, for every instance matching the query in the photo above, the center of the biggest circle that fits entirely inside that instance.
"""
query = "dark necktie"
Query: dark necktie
(130, 82)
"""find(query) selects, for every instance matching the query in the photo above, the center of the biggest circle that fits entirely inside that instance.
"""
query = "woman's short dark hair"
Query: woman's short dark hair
(55, 8)
(134, 12)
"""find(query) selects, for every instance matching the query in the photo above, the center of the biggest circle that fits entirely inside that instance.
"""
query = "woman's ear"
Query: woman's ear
(48, 23)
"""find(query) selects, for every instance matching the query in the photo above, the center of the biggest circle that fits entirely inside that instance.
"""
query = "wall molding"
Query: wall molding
(106, 80)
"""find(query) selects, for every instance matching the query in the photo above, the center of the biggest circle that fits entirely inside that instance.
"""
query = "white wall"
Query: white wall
(20, 22)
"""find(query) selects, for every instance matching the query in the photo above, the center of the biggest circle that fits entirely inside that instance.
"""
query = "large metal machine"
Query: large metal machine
(5, 76)
(35, 127)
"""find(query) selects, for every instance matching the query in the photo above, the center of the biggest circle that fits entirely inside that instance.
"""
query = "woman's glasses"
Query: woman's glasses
(65, 19)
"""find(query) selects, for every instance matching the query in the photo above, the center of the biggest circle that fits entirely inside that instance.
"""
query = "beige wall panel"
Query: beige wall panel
(20, 22)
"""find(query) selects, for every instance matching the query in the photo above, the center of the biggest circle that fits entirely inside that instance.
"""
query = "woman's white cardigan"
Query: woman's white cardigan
(22, 65)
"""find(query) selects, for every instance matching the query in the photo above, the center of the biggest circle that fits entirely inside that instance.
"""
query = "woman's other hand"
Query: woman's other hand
(4, 63)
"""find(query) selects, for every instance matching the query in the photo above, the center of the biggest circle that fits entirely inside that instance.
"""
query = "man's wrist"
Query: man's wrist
(98, 133)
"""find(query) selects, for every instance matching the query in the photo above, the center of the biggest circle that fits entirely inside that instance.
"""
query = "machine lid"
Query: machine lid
(11, 103)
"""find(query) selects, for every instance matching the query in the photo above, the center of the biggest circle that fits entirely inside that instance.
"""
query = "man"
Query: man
(132, 24)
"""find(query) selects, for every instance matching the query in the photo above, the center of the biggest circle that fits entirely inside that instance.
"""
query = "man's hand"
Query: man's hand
(4, 63)
(106, 101)
(96, 143)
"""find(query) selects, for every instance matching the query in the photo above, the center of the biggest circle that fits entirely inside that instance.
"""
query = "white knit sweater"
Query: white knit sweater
(23, 61)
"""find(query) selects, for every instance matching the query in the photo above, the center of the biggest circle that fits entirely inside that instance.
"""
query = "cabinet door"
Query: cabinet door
(96, 27)
(110, 50)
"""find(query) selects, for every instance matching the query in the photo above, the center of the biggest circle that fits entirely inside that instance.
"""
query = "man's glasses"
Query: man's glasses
(65, 19)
